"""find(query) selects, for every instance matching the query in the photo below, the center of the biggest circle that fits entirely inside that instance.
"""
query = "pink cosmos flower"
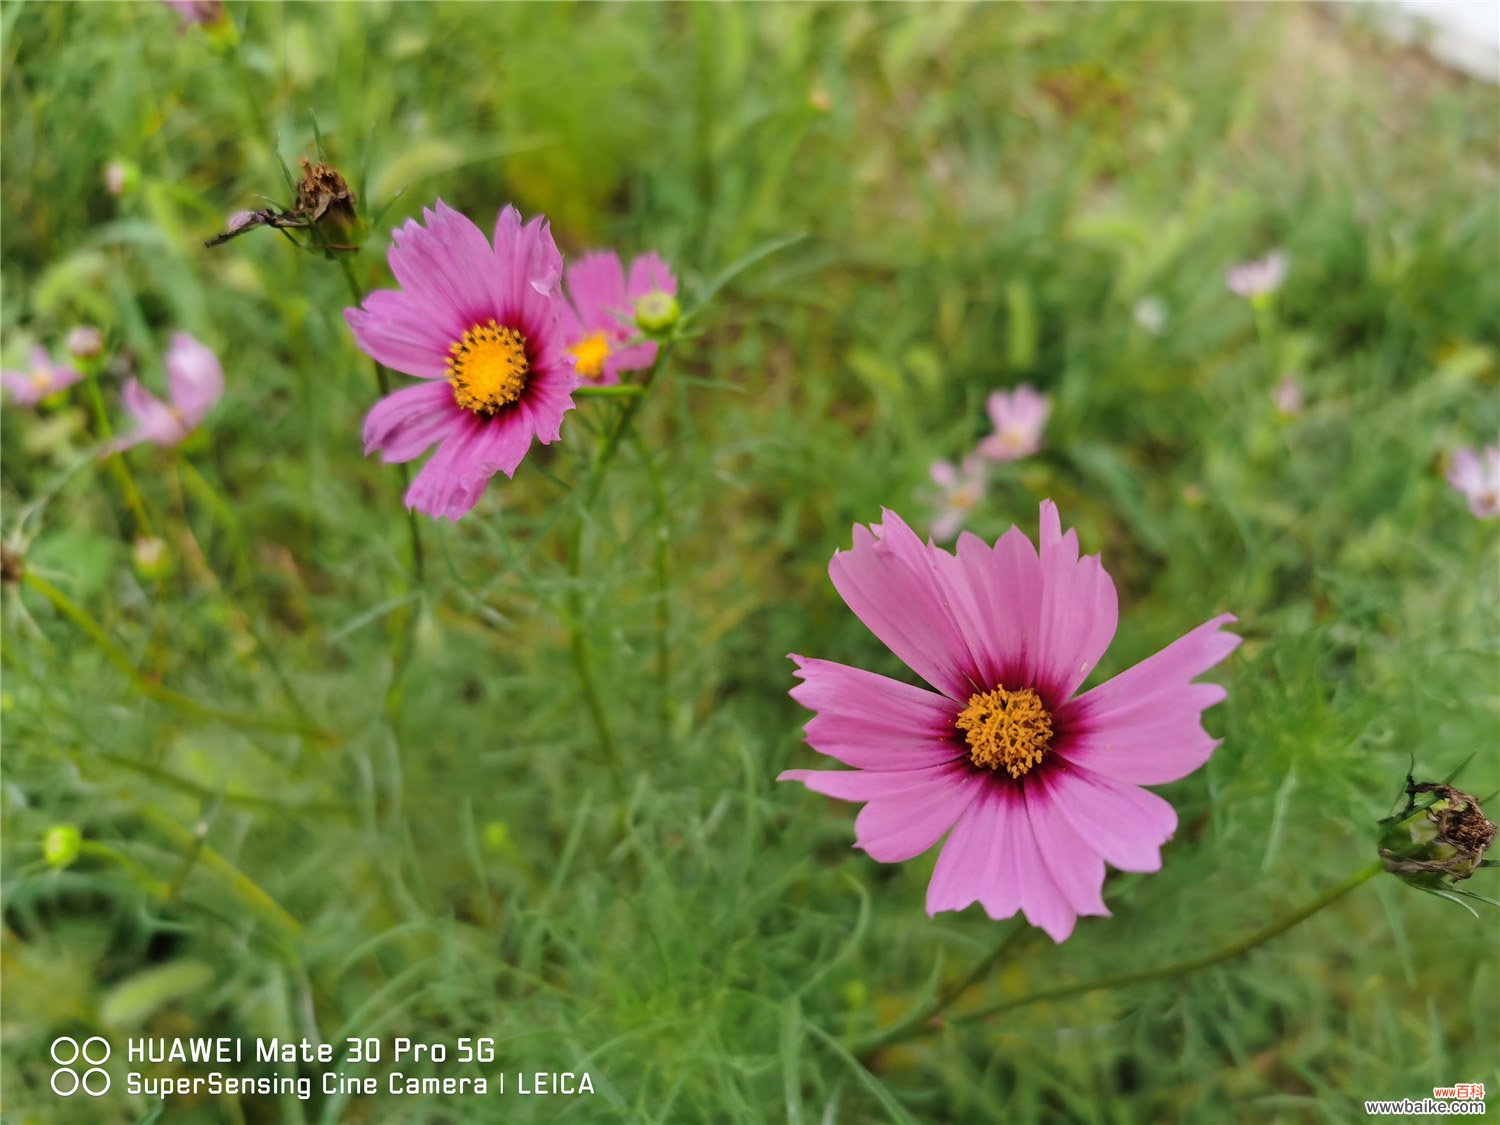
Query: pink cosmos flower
(45, 378)
(1019, 418)
(1039, 787)
(480, 324)
(599, 324)
(1288, 396)
(195, 381)
(85, 342)
(202, 12)
(1258, 278)
(962, 488)
(1477, 476)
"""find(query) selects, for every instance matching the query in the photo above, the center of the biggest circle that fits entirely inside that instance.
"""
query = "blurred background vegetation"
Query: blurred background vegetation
(929, 203)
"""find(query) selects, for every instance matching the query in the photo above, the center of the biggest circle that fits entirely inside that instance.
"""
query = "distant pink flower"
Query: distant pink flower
(116, 177)
(1288, 396)
(45, 378)
(962, 489)
(85, 342)
(190, 12)
(1039, 787)
(599, 320)
(195, 381)
(1258, 278)
(1477, 476)
(480, 324)
(1019, 418)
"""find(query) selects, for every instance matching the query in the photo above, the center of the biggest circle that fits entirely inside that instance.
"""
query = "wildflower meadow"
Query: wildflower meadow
(746, 563)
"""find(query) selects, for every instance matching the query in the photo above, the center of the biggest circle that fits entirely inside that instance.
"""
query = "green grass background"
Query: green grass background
(930, 202)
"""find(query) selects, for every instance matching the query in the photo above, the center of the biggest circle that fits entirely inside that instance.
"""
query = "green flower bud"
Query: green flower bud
(1445, 837)
(152, 558)
(656, 313)
(61, 844)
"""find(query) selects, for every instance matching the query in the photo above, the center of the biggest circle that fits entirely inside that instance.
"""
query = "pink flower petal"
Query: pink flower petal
(978, 861)
(907, 811)
(1002, 614)
(1042, 900)
(1143, 726)
(447, 269)
(406, 423)
(393, 330)
(1125, 824)
(154, 420)
(890, 581)
(871, 722)
(529, 260)
(1078, 615)
(649, 273)
(1076, 868)
(195, 379)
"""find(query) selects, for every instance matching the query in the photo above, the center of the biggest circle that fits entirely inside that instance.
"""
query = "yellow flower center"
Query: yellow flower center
(488, 368)
(590, 354)
(1007, 730)
(41, 380)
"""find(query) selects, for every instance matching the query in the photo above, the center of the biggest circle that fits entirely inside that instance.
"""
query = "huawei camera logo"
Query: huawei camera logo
(68, 1055)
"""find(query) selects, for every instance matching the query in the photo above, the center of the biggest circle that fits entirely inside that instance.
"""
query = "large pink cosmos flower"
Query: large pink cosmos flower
(599, 323)
(479, 324)
(195, 381)
(45, 378)
(1039, 787)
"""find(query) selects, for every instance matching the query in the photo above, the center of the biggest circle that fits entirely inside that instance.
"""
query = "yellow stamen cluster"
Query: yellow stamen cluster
(1007, 730)
(589, 355)
(488, 368)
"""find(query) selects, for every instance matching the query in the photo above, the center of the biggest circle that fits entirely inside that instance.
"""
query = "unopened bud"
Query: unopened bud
(61, 844)
(152, 558)
(1443, 838)
(121, 177)
(657, 313)
(85, 342)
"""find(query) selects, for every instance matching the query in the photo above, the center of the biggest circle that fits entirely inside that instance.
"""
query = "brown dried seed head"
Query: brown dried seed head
(322, 192)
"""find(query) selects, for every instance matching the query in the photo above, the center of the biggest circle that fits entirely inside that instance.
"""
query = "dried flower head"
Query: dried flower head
(1443, 838)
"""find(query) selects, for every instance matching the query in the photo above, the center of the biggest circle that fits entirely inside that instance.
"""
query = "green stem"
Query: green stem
(578, 643)
(661, 565)
(116, 461)
(906, 1028)
(117, 656)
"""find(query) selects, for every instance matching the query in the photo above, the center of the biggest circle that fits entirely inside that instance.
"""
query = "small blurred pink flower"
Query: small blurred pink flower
(45, 378)
(85, 342)
(202, 12)
(1040, 787)
(1019, 418)
(1288, 396)
(962, 488)
(599, 319)
(1477, 476)
(479, 322)
(116, 177)
(195, 382)
(1257, 278)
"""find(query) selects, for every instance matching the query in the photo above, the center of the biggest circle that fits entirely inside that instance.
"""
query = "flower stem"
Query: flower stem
(117, 656)
(662, 568)
(116, 461)
(578, 642)
(908, 1027)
